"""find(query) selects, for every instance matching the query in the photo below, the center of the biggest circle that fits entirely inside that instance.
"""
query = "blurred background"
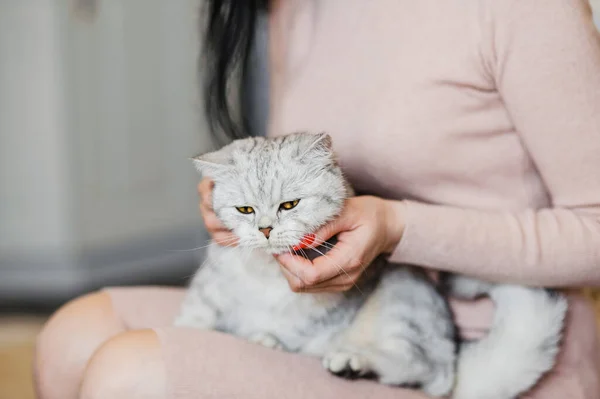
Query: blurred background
(99, 111)
(100, 108)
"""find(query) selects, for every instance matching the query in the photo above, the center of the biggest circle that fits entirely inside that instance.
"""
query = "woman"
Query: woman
(483, 116)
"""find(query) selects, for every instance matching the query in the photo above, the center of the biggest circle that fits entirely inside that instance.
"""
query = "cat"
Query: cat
(395, 325)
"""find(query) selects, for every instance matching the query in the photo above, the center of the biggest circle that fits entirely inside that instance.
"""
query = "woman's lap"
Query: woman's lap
(204, 364)
(208, 364)
(215, 365)
(146, 307)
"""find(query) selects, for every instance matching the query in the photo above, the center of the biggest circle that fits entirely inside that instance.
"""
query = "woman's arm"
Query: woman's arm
(546, 62)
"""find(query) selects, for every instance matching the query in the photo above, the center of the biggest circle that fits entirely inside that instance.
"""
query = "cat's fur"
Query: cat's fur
(395, 326)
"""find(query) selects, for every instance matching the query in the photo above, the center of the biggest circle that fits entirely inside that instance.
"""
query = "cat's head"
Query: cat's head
(273, 191)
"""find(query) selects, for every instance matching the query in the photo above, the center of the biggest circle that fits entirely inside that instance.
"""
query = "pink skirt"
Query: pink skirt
(214, 365)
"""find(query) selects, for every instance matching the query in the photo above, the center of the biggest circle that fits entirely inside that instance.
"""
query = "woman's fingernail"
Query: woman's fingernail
(305, 242)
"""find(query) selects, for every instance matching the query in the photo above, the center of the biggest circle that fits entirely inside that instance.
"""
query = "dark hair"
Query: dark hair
(228, 37)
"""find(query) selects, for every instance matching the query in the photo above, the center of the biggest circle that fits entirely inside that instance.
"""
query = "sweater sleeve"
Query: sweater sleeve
(545, 59)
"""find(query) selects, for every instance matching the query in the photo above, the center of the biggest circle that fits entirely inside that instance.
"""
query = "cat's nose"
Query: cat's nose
(266, 231)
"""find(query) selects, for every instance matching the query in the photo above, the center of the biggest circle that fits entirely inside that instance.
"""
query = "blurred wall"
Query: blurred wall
(99, 111)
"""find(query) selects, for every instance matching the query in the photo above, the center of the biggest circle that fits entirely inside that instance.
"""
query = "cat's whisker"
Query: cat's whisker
(246, 255)
(230, 240)
(196, 271)
(330, 246)
(318, 298)
(303, 253)
(295, 273)
(211, 242)
(192, 249)
(339, 267)
(363, 267)
(230, 245)
(188, 276)
(319, 241)
(323, 244)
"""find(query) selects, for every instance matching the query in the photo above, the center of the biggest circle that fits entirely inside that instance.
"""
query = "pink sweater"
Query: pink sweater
(484, 114)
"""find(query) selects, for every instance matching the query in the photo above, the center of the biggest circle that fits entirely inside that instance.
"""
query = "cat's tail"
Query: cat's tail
(522, 343)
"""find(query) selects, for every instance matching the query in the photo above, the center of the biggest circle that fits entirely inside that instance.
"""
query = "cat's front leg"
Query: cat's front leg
(402, 335)
(196, 312)
(266, 340)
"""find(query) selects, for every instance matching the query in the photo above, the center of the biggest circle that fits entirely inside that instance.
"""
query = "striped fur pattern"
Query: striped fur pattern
(395, 326)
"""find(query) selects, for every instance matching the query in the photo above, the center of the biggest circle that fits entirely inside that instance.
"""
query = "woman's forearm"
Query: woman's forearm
(549, 247)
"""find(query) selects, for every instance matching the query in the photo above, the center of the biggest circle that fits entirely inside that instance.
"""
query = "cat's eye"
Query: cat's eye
(246, 210)
(289, 204)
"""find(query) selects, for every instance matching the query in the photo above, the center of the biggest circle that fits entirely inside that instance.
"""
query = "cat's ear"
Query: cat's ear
(316, 146)
(213, 163)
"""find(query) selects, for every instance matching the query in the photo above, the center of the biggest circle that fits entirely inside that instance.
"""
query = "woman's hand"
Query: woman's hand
(367, 227)
(219, 233)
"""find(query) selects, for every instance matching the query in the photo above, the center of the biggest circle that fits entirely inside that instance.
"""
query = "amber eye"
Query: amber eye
(289, 205)
(245, 209)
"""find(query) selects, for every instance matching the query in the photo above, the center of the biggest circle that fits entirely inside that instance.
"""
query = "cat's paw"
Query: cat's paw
(186, 320)
(267, 340)
(406, 367)
(196, 315)
(347, 364)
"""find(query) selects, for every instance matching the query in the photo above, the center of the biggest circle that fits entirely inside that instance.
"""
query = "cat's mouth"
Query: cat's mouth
(308, 247)
(282, 249)
(305, 243)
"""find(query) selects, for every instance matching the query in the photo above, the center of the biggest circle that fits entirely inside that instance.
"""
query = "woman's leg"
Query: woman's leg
(180, 363)
(75, 332)
(127, 366)
(68, 340)
(101, 346)
(206, 364)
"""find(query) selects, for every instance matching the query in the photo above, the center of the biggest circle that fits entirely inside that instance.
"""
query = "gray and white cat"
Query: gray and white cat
(396, 326)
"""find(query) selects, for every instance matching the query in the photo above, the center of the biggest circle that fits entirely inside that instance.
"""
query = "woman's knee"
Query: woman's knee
(67, 342)
(129, 365)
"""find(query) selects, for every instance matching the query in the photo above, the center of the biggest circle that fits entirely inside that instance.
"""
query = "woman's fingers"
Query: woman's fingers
(323, 271)
(211, 221)
(220, 234)
(341, 260)
(294, 280)
(341, 280)
(341, 266)
(331, 229)
(225, 238)
(297, 285)
(304, 270)
(205, 191)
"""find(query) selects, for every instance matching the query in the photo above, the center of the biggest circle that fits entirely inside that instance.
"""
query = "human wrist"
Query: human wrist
(394, 222)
